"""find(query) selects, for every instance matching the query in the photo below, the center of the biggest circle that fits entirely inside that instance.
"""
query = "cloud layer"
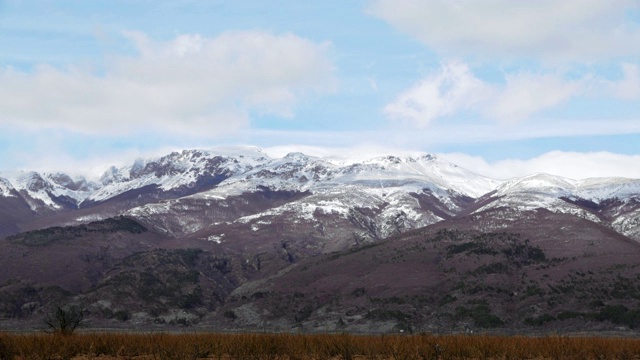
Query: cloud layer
(573, 165)
(550, 29)
(190, 84)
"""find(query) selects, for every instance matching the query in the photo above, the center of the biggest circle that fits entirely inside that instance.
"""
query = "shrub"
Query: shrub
(539, 321)
(480, 314)
(122, 315)
(303, 314)
(448, 298)
(621, 315)
(230, 314)
(385, 315)
(359, 292)
(64, 321)
(566, 315)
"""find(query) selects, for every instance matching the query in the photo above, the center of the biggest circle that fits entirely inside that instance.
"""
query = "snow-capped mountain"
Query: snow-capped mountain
(614, 202)
(48, 191)
(235, 192)
(235, 222)
(387, 191)
(6, 188)
(186, 171)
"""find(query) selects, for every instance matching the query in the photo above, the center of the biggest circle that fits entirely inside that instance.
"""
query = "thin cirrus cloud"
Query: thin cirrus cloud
(190, 84)
(549, 29)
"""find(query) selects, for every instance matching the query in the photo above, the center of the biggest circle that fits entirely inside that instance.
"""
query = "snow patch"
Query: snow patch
(90, 218)
(215, 238)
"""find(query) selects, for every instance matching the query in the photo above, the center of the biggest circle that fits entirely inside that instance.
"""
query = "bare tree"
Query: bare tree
(64, 320)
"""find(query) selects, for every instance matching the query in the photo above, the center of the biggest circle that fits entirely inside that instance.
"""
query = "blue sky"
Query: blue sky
(499, 86)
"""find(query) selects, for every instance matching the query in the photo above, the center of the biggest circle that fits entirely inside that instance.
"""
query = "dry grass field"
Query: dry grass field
(324, 346)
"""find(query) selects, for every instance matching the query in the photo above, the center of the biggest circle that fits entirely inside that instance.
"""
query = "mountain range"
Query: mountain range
(232, 238)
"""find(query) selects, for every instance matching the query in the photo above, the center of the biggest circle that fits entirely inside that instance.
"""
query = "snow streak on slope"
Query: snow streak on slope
(340, 202)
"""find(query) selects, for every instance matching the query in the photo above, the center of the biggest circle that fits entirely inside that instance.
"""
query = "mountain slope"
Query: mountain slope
(614, 202)
(544, 270)
(234, 239)
(14, 210)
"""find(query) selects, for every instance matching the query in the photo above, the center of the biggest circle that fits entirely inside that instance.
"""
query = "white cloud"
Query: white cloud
(526, 94)
(190, 84)
(449, 90)
(542, 33)
(629, 86)
(454, 88)
(573, 165)
(584, 30)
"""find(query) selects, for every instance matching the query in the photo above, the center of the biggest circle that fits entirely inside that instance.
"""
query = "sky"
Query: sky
(502, 87)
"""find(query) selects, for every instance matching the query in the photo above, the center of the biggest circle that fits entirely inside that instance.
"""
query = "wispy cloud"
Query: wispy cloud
(190, 84)
(525, 94)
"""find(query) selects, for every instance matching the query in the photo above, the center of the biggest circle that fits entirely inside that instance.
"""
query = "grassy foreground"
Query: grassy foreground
(325, 346)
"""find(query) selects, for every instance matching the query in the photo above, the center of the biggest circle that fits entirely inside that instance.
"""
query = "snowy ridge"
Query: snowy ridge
(543, 184)
(388, 186)
(5, 188)
(299, 172)
(610, 201)
(598, 189)
(192, 190)
(242, 169)
(51, 189)
(178, 169)
(432, 170)
(530, 201)
(536, 191)
(594, 189)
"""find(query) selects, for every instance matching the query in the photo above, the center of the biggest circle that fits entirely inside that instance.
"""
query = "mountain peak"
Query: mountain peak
(423, 157)
(5, 187)
(33, 181)
(539, 183)
(297, 156)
